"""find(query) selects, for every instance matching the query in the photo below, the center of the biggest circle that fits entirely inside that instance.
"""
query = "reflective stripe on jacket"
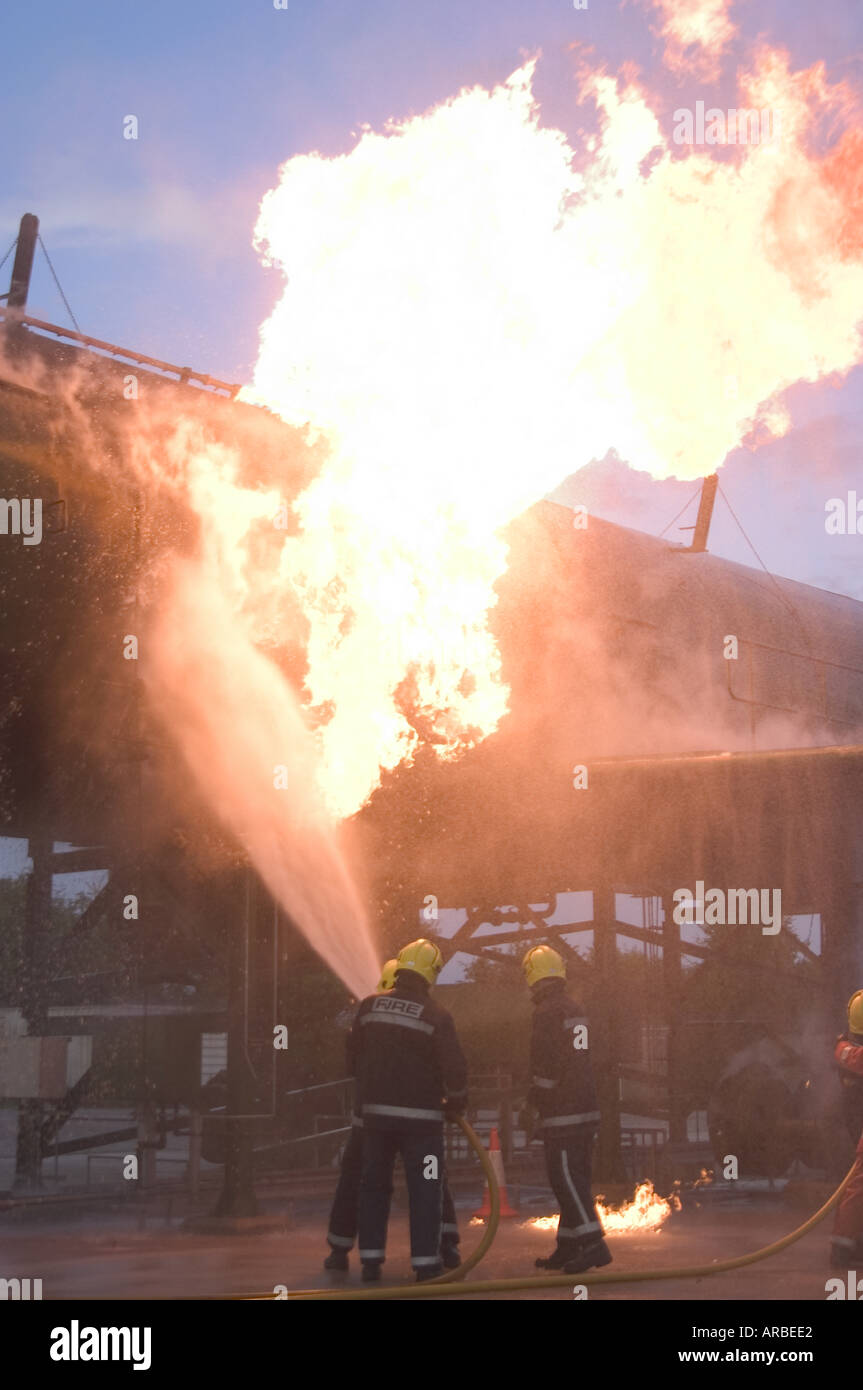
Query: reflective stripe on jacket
(405, 1055)
(562, 1087)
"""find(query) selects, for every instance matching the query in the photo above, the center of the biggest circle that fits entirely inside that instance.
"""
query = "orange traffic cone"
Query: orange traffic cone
(496, 1159)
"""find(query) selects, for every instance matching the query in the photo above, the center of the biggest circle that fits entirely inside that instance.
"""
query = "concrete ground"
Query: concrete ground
(117, 1256)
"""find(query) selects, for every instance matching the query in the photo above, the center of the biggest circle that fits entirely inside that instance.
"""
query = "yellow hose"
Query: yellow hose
(493, 1218)
(445, 1286)
(449, 1276)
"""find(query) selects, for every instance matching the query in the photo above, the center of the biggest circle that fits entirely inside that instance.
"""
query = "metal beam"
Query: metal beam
(473, 945)
(184, 374)
(79, 861)
(827, 753)
(477, 944)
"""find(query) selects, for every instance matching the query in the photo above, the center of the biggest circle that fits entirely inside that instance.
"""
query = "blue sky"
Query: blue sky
(152, 238)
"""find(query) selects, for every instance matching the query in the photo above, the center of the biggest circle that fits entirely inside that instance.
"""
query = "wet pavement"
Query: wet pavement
(115, 1256)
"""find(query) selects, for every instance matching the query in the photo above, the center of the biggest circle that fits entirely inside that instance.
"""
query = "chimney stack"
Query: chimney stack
(705, 512)
(22, 269)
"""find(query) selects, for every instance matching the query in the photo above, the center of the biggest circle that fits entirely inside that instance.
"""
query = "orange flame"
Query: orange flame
(473, 310)
(646, 1212)
(467, 319)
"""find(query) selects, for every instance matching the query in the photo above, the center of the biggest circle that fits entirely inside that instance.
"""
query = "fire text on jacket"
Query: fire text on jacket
(387, 1004)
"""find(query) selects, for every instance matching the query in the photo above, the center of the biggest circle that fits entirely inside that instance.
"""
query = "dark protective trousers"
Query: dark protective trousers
(569, 1164)
(848, 1224)
(380, 1147)
(344, 1214)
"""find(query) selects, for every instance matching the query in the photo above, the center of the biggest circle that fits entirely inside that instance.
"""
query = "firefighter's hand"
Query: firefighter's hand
(528, 1120)
(453, 1109)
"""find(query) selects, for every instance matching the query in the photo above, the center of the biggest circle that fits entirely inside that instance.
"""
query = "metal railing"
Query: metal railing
(641, 1149)
(184, 374)
(322, 1135)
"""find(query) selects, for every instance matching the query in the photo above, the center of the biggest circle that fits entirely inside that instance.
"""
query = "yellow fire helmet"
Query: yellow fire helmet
(388, 976)
(423, 957)
(855, 1012)
(543, 963)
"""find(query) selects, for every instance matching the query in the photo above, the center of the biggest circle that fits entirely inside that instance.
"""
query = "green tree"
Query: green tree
(749, 985)
(494, 992)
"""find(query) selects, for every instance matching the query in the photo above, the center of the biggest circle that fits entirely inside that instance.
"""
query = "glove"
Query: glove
(528, 1120)
(452, 1109)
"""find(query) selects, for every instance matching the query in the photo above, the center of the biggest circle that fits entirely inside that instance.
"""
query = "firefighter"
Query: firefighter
(410, 1071)
(562, 1105)
(343, 1215)
(847, 1240)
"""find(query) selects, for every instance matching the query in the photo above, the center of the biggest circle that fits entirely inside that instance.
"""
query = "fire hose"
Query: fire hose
(448, 1284)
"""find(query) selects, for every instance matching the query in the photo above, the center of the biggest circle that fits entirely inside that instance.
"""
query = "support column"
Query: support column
(842, 901)
(35, 971)
(672, 972)
(609, 1159)
(237, 1197)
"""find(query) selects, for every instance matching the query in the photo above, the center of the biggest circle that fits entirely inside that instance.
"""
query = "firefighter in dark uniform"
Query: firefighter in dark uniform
(342, 1230)
(562, 1104)
(410, 1071)
(846, 1245)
